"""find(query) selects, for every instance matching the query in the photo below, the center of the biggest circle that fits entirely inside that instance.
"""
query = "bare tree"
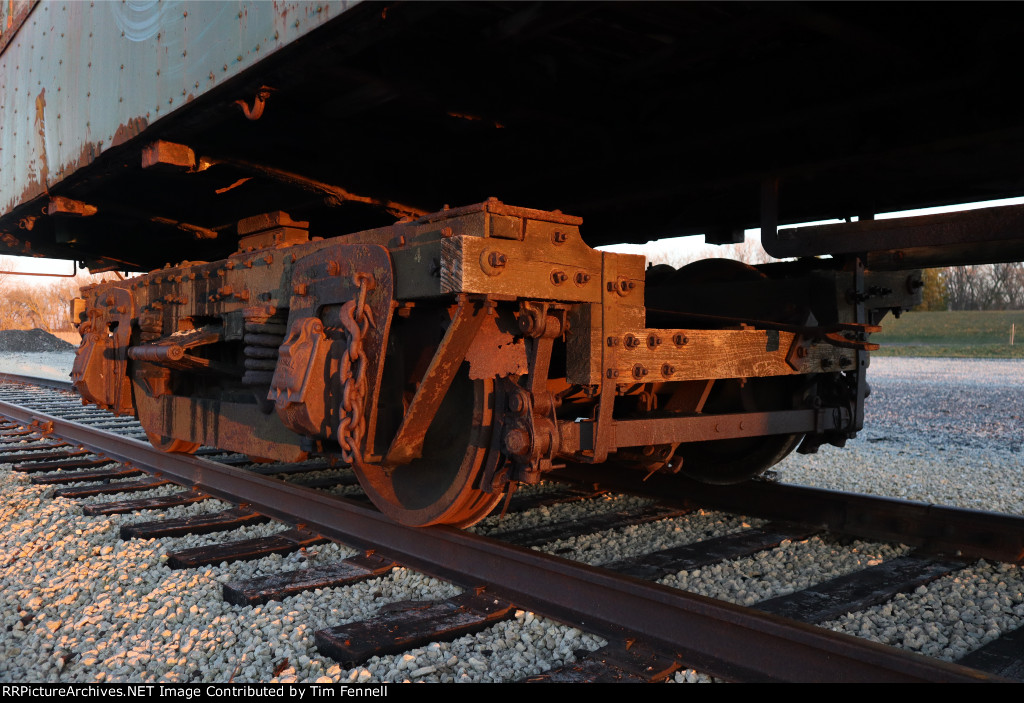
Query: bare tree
(987, 287)
(28, 301)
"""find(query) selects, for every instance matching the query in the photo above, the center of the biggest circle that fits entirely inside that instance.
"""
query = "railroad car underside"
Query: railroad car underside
(318, 297)
(452, 356)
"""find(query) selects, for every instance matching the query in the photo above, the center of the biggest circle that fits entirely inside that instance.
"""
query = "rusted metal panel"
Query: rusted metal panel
(13, 14)
(79, 78)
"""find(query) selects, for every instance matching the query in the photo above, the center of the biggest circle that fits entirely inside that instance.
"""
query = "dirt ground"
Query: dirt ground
(35, 340)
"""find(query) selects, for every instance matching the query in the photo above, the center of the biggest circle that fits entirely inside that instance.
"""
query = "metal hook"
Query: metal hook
(256, 111)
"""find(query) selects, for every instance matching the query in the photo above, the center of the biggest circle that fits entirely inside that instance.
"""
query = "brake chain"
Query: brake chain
(356, 318)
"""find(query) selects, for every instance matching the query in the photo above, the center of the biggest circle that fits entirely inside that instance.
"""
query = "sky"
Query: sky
(693, 246)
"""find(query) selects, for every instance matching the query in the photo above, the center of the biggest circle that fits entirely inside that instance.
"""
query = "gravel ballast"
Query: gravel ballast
(82, 605)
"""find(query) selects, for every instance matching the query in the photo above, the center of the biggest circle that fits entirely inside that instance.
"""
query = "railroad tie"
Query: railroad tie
(659, 564)
(619, 661)
(118, 507)
(78, 476)
(1003, 656)
(280, 543)
(279, 586)
(41, 455)
(550, 531)
(35, 446)
(36, 466)
(859, 590)
(406, 625)
(143, 484)
(192, 525)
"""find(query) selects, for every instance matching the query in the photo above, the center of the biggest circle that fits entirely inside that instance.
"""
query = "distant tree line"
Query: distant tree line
(28, 302)
(984, 287)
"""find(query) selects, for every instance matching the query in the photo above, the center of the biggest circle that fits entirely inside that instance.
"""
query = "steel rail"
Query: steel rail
(942, 529)
(717, 638)
(37, 381)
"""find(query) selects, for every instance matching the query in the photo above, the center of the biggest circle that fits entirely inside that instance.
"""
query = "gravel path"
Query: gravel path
(81, 605)
(945, 431)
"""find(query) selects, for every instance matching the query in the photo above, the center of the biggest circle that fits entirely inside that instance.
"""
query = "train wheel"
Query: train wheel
(728, 461)
(440, 487)
(171, 445)
(731, 461)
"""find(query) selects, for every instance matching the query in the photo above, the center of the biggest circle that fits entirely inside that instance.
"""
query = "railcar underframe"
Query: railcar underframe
(320, 300)
(451, 356)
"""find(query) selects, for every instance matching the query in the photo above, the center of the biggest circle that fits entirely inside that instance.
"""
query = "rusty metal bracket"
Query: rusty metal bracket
(302, 352)
(408, 442)
(100, 371)
(258, 103)
(307, 386)
(172, 352)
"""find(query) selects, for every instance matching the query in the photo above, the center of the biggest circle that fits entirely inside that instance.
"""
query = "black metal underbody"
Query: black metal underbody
(648, 120)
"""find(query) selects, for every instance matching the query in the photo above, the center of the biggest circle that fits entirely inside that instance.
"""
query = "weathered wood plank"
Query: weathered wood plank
(1003, 656)
(131, 506)
(686, 354)
(410, 624)
(859, 590)
(281, 543)
(280, 586)
(65, 465)
(44, 456)
(144, 484)
(78, 476)
(29, 446)
(617, 662)
(192, 525)
(699, 554)
(548, 532)
(528, 269)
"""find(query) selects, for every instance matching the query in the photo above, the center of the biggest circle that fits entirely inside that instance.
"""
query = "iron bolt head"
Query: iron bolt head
(680, 339)
(582, 278)
(558, 277)
(639, 371)
(560, 237)
(517, 404)
(517, 441)
(496, 259)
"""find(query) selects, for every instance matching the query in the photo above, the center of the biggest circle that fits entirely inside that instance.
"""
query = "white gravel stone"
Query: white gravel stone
(84, 606)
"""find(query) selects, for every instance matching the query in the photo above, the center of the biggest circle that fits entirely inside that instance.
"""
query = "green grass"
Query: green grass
(952, 334)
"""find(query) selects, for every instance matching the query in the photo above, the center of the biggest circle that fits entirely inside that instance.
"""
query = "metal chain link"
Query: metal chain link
(356, 318)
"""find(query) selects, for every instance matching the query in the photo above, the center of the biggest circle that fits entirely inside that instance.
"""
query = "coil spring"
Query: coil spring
(261, 341)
